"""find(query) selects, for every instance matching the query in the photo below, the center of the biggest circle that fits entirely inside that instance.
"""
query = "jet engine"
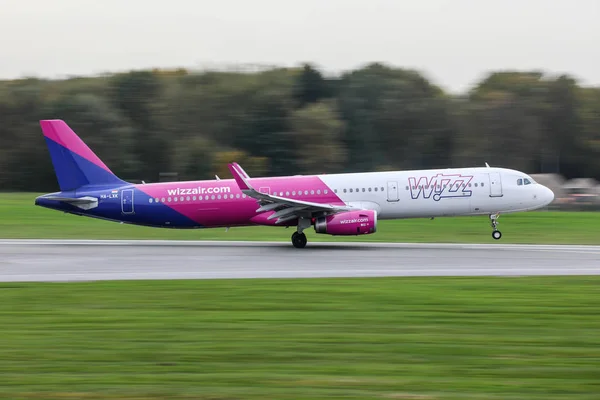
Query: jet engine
(348, 223)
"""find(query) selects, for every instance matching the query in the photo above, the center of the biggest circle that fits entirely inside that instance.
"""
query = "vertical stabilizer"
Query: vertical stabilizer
(75, 165)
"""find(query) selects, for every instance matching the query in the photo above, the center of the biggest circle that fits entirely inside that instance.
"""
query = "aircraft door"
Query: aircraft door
(495, 184)
(265, 190)
(392, 191)
(127, 201)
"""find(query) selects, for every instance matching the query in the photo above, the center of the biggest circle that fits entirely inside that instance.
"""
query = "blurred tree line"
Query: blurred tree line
(297, 121)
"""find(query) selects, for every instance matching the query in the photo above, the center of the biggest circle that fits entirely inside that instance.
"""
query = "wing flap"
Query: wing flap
(286, 211)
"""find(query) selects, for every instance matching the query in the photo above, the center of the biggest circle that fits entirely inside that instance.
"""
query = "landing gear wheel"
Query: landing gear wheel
(496, 234)
(299, 240)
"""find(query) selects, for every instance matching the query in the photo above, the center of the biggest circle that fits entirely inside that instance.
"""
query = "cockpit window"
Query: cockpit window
(525, 181)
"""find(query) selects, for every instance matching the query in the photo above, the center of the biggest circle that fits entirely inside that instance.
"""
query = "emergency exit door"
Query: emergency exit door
(495, 184)
(392, 191)
(127, 201)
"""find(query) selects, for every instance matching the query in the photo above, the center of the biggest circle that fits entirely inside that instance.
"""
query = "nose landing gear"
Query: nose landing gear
(496, 234)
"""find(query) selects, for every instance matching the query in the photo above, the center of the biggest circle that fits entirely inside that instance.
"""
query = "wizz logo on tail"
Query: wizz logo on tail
(440, 186)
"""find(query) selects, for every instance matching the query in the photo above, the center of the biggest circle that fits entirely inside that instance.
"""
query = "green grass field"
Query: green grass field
(377, 338)
(19, 218)
(393, 338)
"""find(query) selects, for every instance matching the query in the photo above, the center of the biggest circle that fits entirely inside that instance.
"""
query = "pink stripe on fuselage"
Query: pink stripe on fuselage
(59, 132)
(222, 203)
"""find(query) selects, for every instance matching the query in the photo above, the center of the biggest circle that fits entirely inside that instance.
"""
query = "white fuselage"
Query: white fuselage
(441, 192)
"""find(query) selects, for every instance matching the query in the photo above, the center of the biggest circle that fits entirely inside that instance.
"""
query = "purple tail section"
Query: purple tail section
(74, 163)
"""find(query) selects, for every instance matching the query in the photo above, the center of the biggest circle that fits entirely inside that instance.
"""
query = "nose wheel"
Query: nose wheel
(496, 234)
(299, 240)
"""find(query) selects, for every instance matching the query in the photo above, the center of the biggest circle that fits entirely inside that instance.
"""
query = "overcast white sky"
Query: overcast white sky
(454, 42)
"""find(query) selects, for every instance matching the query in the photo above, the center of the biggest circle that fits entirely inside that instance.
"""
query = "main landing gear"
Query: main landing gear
(496, 234)
(299, 240)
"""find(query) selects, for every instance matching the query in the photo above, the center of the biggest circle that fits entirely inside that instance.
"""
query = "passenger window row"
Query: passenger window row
(300, 193)
(458, 185)
(180, 199)
(358, 190)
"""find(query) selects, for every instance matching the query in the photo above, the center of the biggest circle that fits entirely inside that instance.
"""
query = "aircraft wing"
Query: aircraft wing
(285, 209)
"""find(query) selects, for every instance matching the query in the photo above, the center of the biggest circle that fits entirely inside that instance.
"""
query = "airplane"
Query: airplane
(347, 204)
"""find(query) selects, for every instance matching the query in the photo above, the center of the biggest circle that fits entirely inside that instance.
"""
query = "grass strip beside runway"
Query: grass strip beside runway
(392, 338)
(20, 219)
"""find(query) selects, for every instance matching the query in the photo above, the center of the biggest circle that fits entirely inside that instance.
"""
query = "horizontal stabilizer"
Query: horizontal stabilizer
(85, 203)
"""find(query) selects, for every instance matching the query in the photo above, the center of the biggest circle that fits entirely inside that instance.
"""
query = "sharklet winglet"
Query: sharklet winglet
(241, 170)
(239, 178)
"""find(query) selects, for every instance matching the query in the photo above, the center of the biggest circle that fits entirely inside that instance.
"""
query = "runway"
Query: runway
(90, 260)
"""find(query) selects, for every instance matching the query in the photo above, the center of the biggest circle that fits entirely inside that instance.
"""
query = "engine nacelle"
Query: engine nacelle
(348, 223)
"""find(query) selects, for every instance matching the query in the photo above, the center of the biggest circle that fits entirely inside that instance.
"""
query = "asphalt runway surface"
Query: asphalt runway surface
(91, 260)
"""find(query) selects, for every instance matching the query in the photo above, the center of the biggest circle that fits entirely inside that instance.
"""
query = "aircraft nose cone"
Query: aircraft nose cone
(547, 195)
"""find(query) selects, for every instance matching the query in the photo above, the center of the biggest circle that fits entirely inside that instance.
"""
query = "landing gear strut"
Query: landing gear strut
(496, 234)
(299, 240)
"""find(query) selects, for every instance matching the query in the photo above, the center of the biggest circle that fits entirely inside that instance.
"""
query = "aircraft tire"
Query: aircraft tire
(497, 235)
(299, 240)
